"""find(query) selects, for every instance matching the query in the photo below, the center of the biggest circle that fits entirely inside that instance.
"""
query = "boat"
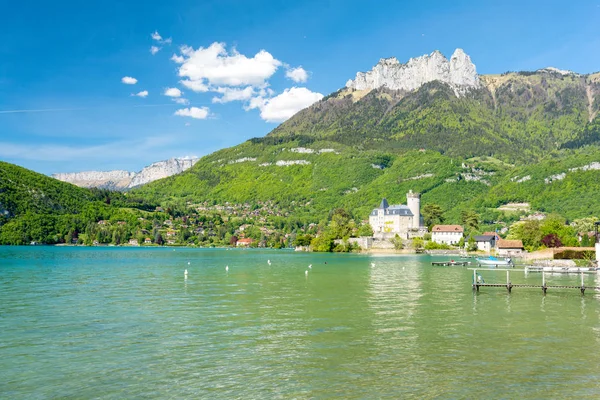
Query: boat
(494, 262)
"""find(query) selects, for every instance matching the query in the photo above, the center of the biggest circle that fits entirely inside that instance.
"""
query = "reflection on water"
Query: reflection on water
(125, 323)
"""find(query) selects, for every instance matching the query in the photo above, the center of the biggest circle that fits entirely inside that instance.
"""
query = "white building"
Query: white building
(448, 234)
(399, 220)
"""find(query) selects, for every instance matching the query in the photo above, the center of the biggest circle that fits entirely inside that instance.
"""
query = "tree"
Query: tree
(470, 219)
(471, 244)
(432, 214)
(365, 230)
(585, 240)
(303, 240)
(398, 242)
(341, 225)
(233, 240)
(551, 240)
(417, 243)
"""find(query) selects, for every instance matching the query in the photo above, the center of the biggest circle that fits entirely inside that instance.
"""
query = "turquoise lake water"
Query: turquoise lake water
(115, 323)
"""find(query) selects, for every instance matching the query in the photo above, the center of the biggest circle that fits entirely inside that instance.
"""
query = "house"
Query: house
(399, 220)
(486, 242)
(133, 242)
(510, 247)
(447, 234)
(147, 241)
(244, 242)
(171, 233)
(492, 234)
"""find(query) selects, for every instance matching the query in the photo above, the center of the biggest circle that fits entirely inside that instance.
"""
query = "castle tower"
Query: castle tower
(413, 201)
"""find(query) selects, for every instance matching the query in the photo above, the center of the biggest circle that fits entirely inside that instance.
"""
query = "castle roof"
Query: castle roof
(393, 210)
(384, 204)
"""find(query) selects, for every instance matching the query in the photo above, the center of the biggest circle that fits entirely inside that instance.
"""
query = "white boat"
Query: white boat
(494, 262)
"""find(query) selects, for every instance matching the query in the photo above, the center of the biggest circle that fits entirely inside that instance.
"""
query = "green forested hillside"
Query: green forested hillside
(34, 207)
(459, 151)
(23, 191)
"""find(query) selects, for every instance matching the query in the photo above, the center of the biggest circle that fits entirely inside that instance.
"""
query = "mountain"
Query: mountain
(458, 72)
(514, 116)
(123, 180)
(432, 125)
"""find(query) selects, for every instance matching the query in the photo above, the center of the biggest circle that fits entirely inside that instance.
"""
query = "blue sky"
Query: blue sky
(62, 66)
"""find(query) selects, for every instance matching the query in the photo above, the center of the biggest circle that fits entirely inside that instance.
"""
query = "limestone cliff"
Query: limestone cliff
(458, 72)
(123, 180)
(162, 169)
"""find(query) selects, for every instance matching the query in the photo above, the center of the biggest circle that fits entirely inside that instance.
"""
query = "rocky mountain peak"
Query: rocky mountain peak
(122, 180)
(459, 72)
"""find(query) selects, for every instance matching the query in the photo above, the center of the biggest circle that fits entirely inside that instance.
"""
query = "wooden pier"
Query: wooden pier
(450, 263)
(509, 285)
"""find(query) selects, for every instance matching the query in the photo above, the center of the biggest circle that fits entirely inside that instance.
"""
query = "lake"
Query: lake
(116, 323)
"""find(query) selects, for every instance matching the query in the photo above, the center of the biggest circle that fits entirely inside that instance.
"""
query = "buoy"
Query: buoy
(227, 268)
(269, 262)
(310, 266)
(188, 263)
(306, 272)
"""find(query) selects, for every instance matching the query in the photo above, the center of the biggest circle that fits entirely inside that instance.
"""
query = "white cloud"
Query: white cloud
(128, 80)
(216, 66)
(196, 86)
(143, 94)
(194, 112)
(234, 94)
(284, 105)
(156, 36)
(172, 92)
(181, 101)
(154, 49)
(298, 74)
(178, 59)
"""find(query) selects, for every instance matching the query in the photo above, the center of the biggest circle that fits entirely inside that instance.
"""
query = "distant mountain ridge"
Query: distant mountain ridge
(123, 180)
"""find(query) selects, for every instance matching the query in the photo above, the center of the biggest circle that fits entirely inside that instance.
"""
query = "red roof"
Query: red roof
(510, 244)
(246, 240)
(447, 228)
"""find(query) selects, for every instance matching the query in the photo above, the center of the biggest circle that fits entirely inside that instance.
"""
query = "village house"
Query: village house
(446, 234)
(510, 248)
(147, 241)
(244, 242)
(388, 221)
(485, 242)
(133, 242)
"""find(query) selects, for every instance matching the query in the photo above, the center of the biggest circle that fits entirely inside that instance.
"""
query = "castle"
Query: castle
(402, 220)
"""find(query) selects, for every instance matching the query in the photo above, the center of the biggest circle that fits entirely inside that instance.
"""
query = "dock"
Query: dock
(509, 285)
(450, 263)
